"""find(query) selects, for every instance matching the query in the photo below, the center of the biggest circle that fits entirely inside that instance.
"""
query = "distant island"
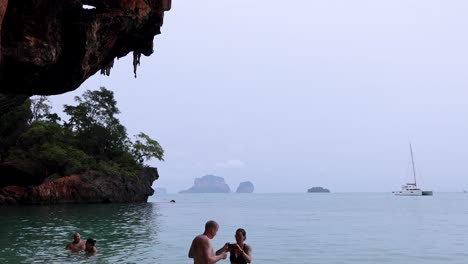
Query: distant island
(245, 187)
(318, 190)
(208, 184)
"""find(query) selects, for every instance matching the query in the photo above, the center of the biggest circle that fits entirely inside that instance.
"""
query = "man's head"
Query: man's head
(211, 228)
(76, 237)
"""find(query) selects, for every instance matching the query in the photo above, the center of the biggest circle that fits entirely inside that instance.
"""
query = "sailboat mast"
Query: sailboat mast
(412, 161)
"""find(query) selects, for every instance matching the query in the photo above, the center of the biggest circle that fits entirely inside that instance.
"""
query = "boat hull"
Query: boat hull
(413, 193)
(403, 193)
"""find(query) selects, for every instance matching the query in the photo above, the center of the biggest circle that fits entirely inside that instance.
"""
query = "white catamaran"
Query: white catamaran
(411, 189)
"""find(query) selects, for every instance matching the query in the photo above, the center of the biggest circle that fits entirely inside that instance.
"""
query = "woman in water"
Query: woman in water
(241, 253)
(90, 246)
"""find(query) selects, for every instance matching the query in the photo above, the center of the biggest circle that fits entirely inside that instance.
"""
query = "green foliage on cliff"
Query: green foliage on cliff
(40, 110)
(52, 146)
(92, 138)
(96, 127)
(147, 149)
(12, 124)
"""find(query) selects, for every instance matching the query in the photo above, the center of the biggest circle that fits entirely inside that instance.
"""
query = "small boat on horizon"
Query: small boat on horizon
(411, 189)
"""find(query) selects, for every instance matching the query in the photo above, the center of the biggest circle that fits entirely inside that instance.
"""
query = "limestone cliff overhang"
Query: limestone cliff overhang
(52, 46)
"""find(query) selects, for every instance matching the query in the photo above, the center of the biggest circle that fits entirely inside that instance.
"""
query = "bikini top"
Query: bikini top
(239, 259)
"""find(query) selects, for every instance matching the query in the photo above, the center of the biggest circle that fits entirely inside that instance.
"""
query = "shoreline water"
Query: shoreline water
(300, 228)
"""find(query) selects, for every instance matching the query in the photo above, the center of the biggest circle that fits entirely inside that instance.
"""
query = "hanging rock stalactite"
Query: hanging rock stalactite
(52, 46)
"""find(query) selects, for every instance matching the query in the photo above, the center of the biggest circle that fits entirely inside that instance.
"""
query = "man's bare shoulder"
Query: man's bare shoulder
(202, 237)
(201, 240)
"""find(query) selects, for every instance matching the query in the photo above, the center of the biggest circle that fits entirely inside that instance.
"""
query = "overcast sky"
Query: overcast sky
(295, 94)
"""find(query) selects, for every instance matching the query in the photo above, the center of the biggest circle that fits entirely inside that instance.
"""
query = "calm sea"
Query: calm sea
(281, 228)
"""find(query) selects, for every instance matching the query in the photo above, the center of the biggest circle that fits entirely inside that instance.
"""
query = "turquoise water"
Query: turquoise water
(281, 228)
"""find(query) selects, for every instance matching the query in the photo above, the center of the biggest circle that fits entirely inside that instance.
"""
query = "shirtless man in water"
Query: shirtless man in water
(77, 244)
(201, 249)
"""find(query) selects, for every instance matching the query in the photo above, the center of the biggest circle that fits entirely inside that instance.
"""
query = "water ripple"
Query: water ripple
(39, 233)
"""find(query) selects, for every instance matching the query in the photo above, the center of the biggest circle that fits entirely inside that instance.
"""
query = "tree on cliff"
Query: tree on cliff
(12, 124)
(40, 110)
(147, 149)
(100, 134)
(52, 147)
(91, 139)
(95, 125)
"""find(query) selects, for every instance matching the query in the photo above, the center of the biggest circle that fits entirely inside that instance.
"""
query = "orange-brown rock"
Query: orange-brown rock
(14, 191)
(87, 188)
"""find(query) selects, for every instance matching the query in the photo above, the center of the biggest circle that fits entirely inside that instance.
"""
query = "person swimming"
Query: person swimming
(90, 246)
(77, 244)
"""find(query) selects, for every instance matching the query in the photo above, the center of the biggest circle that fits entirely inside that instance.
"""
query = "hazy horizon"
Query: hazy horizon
(308, 93)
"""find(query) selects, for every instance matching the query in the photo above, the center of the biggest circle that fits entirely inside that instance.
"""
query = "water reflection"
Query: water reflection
(124, 232)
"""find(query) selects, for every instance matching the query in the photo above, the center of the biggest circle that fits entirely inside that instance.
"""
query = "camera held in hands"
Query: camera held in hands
(232, 246)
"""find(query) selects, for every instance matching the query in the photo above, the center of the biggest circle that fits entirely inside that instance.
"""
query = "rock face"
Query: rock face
(209, 184)
(3, 7)
(52, 46)
(245, 187)
(318, 190)
(92, 188)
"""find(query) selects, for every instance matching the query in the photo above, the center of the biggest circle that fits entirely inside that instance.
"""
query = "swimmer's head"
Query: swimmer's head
(91, 242)
(77, 237)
